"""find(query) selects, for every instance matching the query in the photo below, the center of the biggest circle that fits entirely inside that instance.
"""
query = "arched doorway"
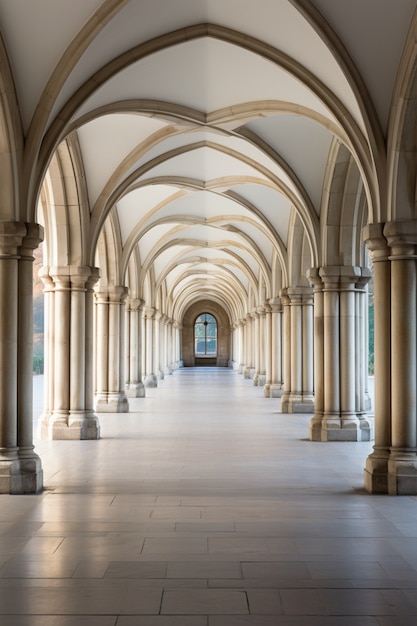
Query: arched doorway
(206, 335)
(205, 340)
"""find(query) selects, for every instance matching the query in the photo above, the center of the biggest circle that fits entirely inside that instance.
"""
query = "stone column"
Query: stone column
(256, 345)
(402, 463)
(276, 348)
(110, 340)
(69, 383)
(168, 349)
(300, 396)
(319, 381)
(242, 358)
(178, 344)
(286, 348)
(268, 350)
(262, 346)
(338, 356)
(30, 470)
(157, 337)
(248, 350)
(150, 379)
(134, 386)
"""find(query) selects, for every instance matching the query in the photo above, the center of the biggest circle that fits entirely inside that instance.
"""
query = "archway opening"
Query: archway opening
(205, 340)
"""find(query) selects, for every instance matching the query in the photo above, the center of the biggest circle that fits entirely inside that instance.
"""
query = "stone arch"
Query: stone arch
(344, 211)
(223, 330)
(402, 137)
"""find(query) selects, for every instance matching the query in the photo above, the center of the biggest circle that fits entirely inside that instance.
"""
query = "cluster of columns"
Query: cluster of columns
(392, 467)
(20, 466)
(161, 353)
(276, 342)
(340, 355)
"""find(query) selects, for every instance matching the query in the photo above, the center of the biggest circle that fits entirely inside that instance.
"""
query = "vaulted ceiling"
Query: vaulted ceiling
(204, 126)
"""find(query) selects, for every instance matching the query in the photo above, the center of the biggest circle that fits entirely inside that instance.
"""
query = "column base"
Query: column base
(261, 380)
(297, 403)
(21, 476)
(112, 403)
(255, 379)
(72, 426)
(402, 473)
(150, 381)
(135, 390)
(276, 390)
(336, 428)
(168, 370)
(160, 375)
(375, 474)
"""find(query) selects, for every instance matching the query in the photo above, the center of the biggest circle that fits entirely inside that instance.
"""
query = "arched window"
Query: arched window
(205, 335)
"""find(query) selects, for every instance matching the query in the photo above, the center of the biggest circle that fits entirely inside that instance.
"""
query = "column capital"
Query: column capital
(34, 236)
(340, 276)
(300, 295)
(275, 304)
(12, 235)
(134, 304)
(148, 312)
(313, 277)
(401, 238)
(374, 238)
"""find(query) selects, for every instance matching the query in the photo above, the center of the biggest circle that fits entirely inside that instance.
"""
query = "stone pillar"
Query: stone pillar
(167, 346)
(110, 341)
(319, 381)
(178, 344)
(20, 466)
(300, 395)
(402, 462)
(242, 358)
(150, 379)
(157, 337)
(262, 345)
(268, 350)
(134, 386)
(68, 370)
(248, 342)
(338, 414)
(276, 390)
(256, 345)
(286, 347)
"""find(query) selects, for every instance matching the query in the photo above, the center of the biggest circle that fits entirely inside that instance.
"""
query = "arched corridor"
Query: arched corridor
(205, 506)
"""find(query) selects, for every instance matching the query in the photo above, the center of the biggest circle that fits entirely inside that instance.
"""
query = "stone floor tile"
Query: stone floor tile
(303, 602)
(163, 620)
(38, 568)
(162, 545)
(136, 569)
(279, 515)
(207, 569)
(204, 602)
(267, 570)
(264, 601)
(290, 620)
(60, 620)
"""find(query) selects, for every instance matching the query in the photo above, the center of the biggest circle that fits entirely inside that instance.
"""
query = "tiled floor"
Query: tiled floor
(204, 506)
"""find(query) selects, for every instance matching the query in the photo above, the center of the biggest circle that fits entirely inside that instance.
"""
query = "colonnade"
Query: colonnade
(276, 345)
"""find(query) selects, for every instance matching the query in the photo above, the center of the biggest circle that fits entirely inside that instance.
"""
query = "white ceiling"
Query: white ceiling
(218, 138)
